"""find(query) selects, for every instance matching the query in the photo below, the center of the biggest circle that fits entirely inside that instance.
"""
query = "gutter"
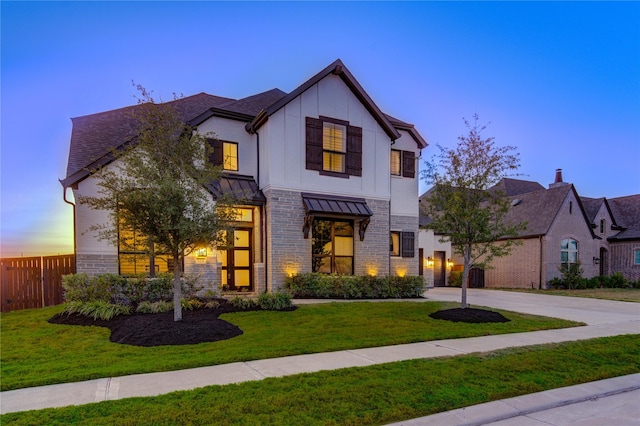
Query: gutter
(64, 198)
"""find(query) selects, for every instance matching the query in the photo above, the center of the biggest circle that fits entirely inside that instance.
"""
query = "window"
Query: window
(636, 255)
(396, 162)
(332, 246)
(602, 226)
(394, 243)
(136, 255)
(333, 147)
(568, 252)
(224, 154)
(403, 163)
(402, 244)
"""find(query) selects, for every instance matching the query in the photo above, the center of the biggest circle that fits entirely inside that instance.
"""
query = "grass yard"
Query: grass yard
(622, 294)
(373, 395)
(36, 353)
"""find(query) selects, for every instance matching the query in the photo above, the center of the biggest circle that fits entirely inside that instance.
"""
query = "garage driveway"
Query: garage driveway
(589, 311)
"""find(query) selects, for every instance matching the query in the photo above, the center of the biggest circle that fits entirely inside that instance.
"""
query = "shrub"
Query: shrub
(274, 301)
(96, 309)
(616, 280)
(571, 275)
(82, 288)
(244, 302)
(147, 307)
(555, 283)
(190, 304)
(158, 288)
(322, 286)
(455, 279)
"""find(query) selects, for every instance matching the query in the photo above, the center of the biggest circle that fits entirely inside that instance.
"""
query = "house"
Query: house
(563, 228)
(328, 181)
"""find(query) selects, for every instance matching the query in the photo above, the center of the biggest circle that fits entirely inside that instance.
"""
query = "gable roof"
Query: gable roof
(516, 186)
(336, 68)
(626, 211)
(94, 137)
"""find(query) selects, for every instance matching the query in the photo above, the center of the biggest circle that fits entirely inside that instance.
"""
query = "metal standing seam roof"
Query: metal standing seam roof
(336, 205)
(243, 188)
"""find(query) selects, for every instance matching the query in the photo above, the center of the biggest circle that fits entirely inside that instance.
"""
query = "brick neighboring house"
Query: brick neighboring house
(329, 184)
(562, 227)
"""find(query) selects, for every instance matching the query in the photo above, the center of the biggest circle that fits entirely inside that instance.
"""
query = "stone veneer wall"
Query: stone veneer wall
(95, 264)
(405, 265)
(289, 252)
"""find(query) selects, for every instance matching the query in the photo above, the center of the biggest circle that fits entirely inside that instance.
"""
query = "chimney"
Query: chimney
(558, 182)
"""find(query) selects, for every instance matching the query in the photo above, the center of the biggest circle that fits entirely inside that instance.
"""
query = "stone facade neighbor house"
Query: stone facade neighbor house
(562, 228)
(328, 183)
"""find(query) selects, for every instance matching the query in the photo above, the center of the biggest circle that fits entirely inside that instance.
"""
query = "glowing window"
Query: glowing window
(334, 146)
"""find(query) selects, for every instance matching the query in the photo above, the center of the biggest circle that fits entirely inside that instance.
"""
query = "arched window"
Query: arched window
(568, 252)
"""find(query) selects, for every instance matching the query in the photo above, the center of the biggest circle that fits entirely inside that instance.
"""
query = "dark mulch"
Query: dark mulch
(470, 315)
(197, 326)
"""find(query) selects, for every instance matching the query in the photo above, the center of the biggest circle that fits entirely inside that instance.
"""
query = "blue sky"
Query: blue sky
(560, 81)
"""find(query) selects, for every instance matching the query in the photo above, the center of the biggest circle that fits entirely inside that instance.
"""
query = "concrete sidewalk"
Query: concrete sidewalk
(604, 318)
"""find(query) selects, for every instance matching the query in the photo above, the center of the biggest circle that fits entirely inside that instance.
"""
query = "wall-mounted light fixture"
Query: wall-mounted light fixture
(596, 260)
(429, 262)
(201, 252)
(449, 263)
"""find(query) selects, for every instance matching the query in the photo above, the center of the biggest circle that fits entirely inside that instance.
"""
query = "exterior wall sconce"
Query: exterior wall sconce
(429, 262)
(201, 252)
(449, 263)
(596, 261)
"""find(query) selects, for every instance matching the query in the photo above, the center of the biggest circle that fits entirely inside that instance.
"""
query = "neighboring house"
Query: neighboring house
(435, 254)
(562, 228)
(328, 182)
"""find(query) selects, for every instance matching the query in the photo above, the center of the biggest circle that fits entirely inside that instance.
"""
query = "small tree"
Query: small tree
(462, 203)
(157, 184)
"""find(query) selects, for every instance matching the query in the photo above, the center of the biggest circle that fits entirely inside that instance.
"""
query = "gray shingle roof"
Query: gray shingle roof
(626, 211)
(538, 209)
(516, 186)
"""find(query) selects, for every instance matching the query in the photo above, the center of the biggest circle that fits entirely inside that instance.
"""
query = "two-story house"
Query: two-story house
(328, 183)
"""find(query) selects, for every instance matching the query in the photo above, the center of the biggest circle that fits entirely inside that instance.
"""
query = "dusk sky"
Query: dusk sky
(560, 81)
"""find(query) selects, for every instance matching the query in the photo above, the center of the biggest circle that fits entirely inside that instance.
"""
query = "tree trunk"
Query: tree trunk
(177, 288)
(465, 278)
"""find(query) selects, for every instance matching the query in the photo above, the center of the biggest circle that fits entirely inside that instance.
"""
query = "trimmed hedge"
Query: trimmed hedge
(616, 280)
(322, 286)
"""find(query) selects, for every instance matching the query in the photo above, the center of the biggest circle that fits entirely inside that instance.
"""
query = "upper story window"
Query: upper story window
(224, 154)
(333, 147)
(568, 252)
(403, 163)
(602, 226)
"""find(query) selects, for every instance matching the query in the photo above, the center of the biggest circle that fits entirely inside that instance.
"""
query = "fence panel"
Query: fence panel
(21, 283)
(53, 268)
(33, 282)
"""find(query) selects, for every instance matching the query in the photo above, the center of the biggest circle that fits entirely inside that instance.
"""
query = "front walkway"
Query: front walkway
(604, 318)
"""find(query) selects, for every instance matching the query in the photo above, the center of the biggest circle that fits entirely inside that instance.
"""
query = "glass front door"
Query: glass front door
(236, 261)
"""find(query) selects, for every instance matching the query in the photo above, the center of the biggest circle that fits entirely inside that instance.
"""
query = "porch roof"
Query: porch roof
(241, 187)
(335, 205)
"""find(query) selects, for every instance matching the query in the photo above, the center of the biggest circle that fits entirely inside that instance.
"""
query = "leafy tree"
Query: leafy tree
(462, 203)
(157, 186)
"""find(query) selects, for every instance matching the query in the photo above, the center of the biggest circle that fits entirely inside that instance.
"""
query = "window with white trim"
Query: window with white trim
(568, 252)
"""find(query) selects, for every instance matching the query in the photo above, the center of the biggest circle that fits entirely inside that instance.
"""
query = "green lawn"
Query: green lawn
(368, 395)
(621, 294)
(35, 352)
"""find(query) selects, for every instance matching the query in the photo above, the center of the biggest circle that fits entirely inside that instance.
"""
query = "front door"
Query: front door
(236, 261)
(439, 269)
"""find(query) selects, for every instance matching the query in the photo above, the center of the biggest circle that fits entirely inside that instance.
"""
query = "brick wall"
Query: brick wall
(622, 259)
(521, 269)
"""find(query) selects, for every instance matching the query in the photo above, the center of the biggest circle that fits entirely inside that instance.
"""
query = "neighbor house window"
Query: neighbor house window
(136, 255)
(333, 147)
(332, 246)
(636, 256)
(568, 252)
(224, 154)
(402, 244)
(403, 163)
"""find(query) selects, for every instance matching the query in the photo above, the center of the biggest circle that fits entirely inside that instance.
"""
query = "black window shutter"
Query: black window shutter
(408, 244)
(408, 164)
(314, 144)
(354, 151)
(215, 156)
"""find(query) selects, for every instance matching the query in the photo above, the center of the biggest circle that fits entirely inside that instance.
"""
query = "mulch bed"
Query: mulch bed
(197, 326)
(470, 315)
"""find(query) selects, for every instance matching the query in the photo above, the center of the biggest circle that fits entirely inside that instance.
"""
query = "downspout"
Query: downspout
(263, 216)
(64, 197)
(541, 260)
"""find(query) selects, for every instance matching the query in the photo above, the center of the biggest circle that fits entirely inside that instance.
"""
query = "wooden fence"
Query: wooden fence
(33, 282)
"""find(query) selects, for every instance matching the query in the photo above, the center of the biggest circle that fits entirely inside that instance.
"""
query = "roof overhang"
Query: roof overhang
(333, 206)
